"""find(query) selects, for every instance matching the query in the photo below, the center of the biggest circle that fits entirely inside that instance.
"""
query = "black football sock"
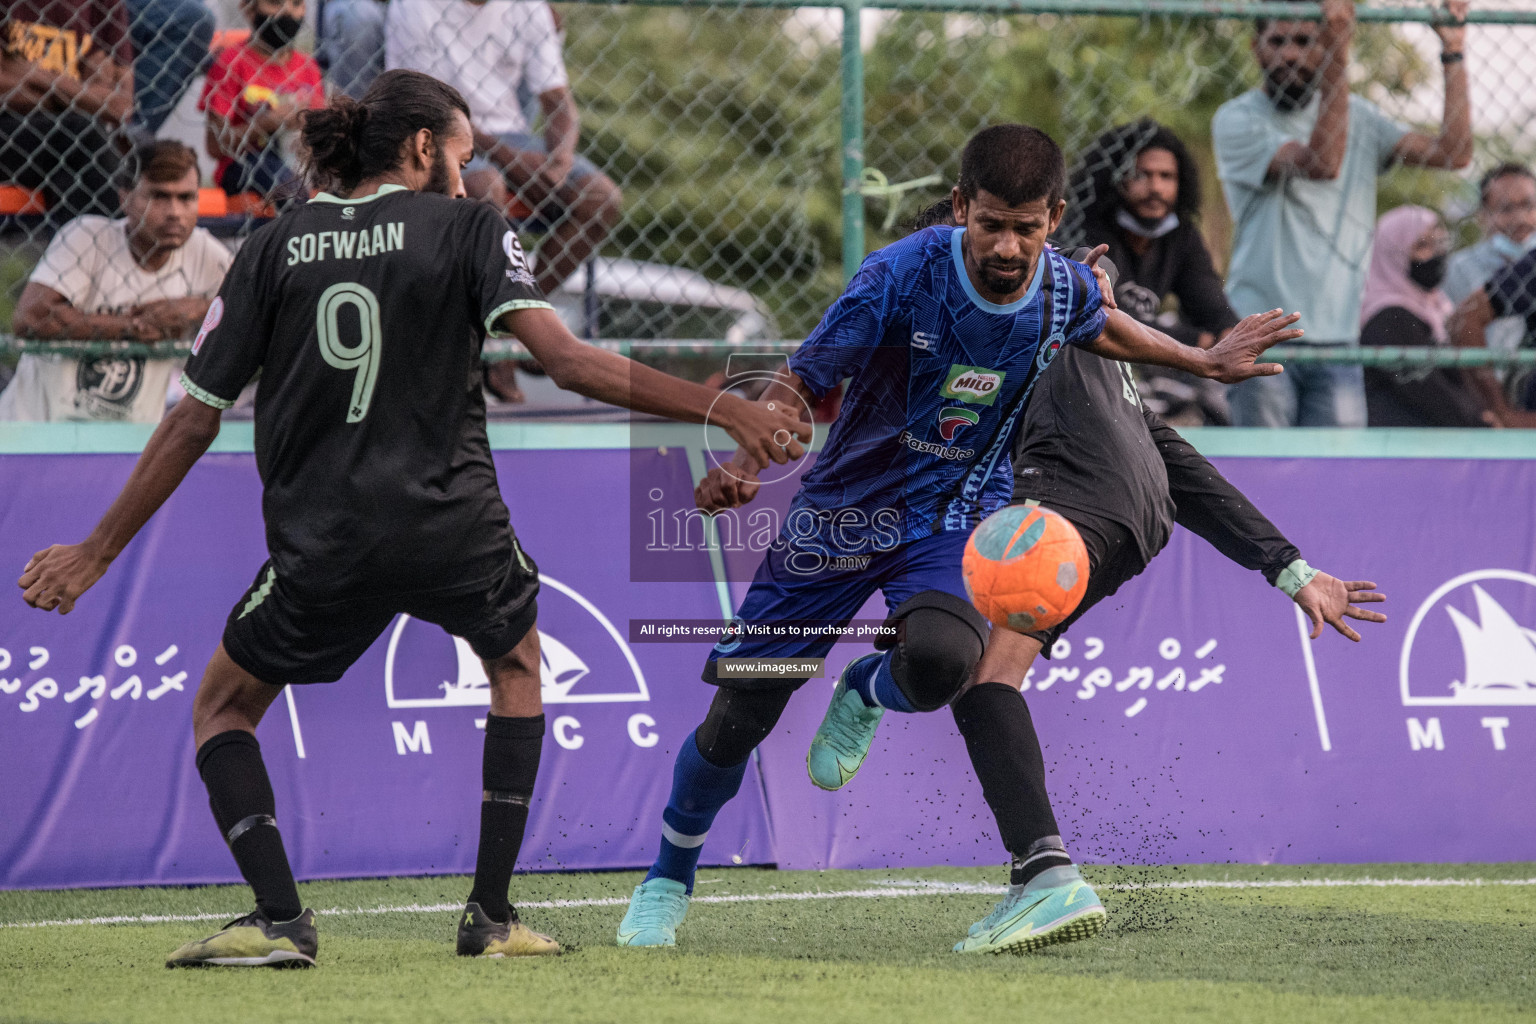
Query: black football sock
(1005, 752)
(243, 805)
(508, 771)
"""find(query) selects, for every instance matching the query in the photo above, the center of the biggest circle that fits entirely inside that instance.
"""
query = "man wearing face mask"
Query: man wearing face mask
(1298, 160)
(254, 94)
(1506, 213)
(1137, 190)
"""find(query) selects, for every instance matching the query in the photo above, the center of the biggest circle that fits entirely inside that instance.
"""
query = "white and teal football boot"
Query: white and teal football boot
(1057, 906)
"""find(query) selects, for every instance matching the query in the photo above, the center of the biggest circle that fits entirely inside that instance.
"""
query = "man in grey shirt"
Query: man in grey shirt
(1507, 214)
(1298, 160)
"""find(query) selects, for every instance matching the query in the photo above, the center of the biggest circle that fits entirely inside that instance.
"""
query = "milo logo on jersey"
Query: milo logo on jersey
(977, 385)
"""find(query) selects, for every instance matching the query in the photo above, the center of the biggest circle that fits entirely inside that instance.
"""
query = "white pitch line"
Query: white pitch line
(895, 889)
(1317, 691)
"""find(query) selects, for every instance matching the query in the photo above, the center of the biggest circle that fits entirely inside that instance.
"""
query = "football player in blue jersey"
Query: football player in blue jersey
(941, 336)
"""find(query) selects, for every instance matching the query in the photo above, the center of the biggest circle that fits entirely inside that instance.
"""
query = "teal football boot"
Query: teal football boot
(655, 910)
(842, 742)
(1062, 909)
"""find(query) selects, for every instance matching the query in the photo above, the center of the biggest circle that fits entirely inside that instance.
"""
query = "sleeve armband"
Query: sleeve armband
(511, 307)
(203, 395)
(1295, 576)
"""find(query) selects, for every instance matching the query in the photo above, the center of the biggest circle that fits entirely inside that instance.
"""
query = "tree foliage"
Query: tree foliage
(722, 124)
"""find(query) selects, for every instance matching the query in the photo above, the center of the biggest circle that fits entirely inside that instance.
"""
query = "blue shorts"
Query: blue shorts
(833, 596)
(581, 167)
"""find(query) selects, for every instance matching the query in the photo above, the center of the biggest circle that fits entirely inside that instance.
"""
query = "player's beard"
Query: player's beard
(437, 178)
(991, 271)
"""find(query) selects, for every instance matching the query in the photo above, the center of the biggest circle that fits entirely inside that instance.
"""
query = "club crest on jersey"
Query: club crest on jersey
(1049, 349)
(215, 314)
(517, 270)
(975, 384)
(952, 421)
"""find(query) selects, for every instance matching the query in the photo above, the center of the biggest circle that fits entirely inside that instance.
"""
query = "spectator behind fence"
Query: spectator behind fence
(1510, 292)
(486, 49)
(255, 92)
(65, 89)
(147, 277)
(1299, 159)
(1137, 190)
(170, 44)
(1404, 306)
(351, 43)
(1506, 212)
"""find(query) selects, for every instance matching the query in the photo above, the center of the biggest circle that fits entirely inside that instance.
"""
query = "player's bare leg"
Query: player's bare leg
(514, 734)
(1047, 900)
(230, 703)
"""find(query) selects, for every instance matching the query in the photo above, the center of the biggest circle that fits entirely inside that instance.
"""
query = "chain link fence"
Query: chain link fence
(755, 151)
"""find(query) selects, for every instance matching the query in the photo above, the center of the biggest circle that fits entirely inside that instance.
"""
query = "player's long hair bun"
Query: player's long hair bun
(351, 140)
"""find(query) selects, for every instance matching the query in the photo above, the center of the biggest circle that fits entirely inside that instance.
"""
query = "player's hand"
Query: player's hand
(723, 487)
(767, 431)
(1453, 33)
(56, 577)
(1331, 600)
(1102, 275)
(1235, 357)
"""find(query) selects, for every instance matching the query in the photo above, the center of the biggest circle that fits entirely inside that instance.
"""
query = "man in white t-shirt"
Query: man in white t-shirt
(1298, 159)
(147, 277)
(487, 49)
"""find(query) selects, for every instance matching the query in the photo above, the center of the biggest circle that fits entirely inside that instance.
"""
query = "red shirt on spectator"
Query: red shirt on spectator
(242, 79)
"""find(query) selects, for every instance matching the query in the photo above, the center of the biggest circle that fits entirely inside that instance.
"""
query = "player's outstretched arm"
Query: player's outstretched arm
(1212, 508)
(56, 577)
(1234, 358)
(1330, 600)
(769, 432)
(735, 483)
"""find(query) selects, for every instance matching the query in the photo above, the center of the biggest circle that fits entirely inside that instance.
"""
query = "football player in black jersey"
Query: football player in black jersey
(364, 311)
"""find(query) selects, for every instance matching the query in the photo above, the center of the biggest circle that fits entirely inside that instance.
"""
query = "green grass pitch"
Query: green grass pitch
(870, 946)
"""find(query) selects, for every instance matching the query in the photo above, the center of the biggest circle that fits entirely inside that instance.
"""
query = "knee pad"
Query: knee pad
(738, 720)
(939, 639)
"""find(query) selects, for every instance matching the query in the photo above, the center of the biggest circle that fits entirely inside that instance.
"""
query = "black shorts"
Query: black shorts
(1114, 558)
(281, 636)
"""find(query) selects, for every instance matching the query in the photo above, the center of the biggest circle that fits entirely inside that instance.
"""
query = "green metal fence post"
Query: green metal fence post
(853, 139)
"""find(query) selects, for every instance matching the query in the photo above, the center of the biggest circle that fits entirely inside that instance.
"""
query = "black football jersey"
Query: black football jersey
(365, 318)
(1086, 445)
(1089, 445)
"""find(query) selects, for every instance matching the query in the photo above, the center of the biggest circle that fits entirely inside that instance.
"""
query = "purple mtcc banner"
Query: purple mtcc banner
(1186, 719)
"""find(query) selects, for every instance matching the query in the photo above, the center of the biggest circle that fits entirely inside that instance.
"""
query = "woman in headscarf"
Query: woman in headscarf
(1404, 306)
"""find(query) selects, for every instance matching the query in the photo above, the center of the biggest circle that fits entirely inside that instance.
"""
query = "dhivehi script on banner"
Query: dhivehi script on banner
(1185, 719)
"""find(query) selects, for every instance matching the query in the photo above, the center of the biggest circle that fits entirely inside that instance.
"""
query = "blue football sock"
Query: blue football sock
(699, 790)
(872, 681)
